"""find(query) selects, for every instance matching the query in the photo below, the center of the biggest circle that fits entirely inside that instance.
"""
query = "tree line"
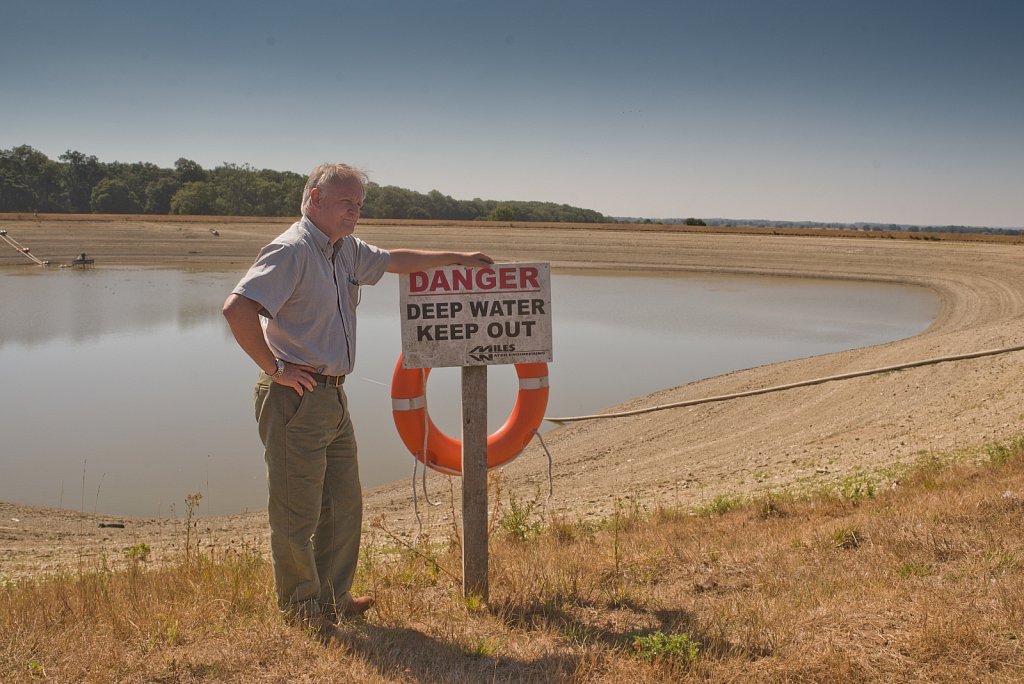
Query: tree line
(867, 227)
(81, 184)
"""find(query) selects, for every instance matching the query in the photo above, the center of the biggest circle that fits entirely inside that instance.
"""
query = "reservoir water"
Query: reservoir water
(123, 391)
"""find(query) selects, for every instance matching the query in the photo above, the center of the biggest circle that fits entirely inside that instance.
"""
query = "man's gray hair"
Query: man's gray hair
(326, 174)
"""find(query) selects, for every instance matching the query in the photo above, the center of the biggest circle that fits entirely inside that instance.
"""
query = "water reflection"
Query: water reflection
(124, 390)
(40, 306)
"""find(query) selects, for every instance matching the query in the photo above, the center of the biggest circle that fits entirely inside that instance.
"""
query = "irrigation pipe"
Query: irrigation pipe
(792, 385)
(21, 248)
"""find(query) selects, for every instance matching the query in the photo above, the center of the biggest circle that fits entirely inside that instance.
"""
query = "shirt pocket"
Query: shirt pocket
(352, 290)
(346, 282)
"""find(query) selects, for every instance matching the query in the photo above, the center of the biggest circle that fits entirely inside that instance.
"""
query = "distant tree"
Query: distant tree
(113, 196)
(265, 197)
(158, 195)
(503, 212)
(29, 181)
(290, 196)
(694, 222)
(15, 196)
(477, 208)
(189, 171)
(245, 191)
(387, 202)
(79, 175)
(200, 198)
(237, 189)
(137, 176)
(442, 206)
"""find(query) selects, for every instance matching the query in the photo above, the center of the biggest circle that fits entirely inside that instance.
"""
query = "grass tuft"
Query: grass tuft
(720, 505)
(844, 537)
(665, 646)
(522, 522)
(909, 569)
(858, 487)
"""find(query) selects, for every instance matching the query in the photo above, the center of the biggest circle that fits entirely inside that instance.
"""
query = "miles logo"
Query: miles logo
(485, 352)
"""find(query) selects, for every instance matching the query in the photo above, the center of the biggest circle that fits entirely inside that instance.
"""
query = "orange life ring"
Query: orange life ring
(444, 453)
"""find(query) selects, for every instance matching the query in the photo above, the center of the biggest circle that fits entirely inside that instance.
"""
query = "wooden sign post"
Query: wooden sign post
(472, 318)
(474, 482)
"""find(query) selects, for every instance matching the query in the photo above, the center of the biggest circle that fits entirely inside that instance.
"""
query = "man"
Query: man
(306, 285)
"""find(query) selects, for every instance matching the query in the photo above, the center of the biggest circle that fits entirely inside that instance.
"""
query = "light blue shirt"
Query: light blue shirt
(309, 292)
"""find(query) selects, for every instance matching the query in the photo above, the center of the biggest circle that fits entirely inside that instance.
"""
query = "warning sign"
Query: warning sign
(459, 316)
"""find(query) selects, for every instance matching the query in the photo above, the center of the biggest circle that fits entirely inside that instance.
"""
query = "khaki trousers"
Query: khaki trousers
(315, 505)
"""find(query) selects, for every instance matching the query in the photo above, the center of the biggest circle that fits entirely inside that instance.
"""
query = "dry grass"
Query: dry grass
(920, 582)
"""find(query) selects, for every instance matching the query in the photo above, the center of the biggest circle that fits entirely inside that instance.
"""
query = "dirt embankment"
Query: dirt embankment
(675, 457)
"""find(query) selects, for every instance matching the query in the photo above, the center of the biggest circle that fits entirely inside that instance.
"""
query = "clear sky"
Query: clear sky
(822, 110)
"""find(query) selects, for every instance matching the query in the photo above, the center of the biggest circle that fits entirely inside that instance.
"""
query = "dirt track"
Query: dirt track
(676, 457)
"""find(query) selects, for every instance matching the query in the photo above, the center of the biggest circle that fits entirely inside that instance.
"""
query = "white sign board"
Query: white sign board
(459, 316)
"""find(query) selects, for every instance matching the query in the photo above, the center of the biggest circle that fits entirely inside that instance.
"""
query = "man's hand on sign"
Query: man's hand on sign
(409, 260)
(475, 260)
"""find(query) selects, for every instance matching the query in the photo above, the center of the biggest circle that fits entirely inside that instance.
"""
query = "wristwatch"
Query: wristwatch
(280, 369)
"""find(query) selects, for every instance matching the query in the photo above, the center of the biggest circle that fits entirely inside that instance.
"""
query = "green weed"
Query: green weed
(770, 507)
(475, 603)
(857, 487)
(1000, 452)
(913, 569)
(1002, 562)
(666, 646)
(139, 553)
(520, 523)
(847, 537)
(36, 669)
(720, 505)
(483, 648)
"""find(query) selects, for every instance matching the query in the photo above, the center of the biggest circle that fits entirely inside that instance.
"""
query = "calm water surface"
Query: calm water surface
(124, 392)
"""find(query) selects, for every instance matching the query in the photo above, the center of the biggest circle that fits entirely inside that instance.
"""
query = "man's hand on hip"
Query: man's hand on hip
(297, 377)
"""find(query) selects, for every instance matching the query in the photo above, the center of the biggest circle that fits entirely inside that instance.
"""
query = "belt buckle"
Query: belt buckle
(329, 380)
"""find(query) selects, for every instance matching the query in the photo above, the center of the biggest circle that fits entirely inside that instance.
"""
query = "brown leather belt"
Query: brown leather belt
(329, 380)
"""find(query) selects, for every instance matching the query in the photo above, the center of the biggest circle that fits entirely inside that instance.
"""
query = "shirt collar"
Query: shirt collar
(322, 242)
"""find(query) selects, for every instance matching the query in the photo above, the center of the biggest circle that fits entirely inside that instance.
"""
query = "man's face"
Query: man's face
(337, 207)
